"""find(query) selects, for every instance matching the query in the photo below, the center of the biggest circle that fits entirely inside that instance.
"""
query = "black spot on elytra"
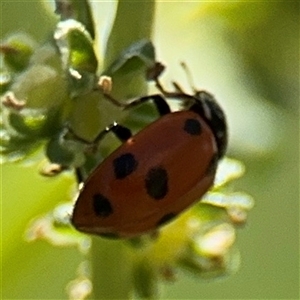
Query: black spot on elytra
(156, 183)
(192, 126)
(124, 165)
(102, 206)
(165, 219)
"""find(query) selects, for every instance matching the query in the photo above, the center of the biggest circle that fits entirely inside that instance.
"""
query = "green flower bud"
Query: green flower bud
(17, 50)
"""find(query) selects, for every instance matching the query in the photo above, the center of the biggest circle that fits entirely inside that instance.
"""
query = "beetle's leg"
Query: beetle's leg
(121, 132)
(154, 73)
(105, 85)
(160, 103)
(178, 88)
(80, 177)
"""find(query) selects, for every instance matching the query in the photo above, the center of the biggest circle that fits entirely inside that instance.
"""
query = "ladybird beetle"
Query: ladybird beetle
(158, 172)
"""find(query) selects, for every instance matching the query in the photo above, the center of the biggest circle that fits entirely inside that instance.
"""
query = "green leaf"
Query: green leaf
(35, 123)
(78, 10)
(139, 53)
(133, 22)
(80, 83)
(76, 46)
(79, 60)
(129, 70)
(65, 152)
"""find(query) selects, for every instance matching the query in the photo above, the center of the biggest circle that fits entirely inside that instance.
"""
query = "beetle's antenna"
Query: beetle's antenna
(189, 76)
(177, 87)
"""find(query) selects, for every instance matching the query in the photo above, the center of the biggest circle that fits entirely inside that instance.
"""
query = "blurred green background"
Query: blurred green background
(247, 55)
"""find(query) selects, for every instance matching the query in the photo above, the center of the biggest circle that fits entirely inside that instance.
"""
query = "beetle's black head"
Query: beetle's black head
(207, 107)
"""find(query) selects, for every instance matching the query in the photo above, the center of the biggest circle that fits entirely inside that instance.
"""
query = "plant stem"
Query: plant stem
(110, 270)
(133, 22)
(111, 265)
